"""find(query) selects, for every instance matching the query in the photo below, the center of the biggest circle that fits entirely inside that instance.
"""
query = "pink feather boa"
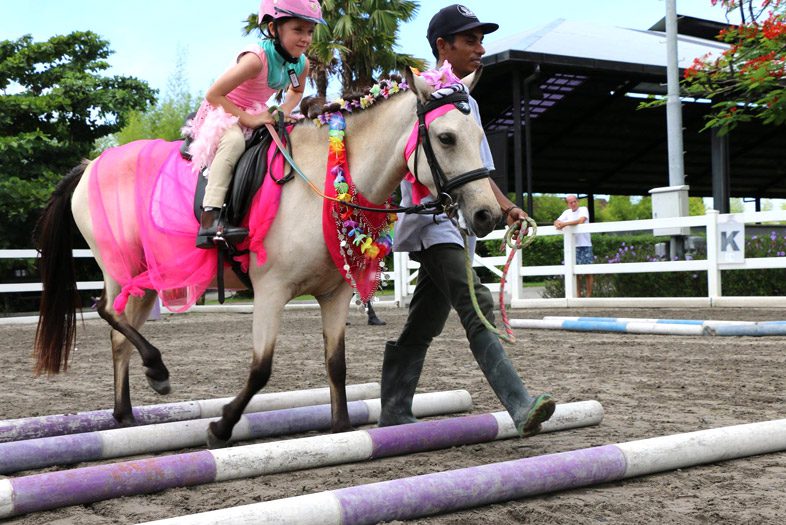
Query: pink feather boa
(207, 127)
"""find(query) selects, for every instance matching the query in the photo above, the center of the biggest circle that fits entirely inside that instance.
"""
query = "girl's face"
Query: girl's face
(295, 35)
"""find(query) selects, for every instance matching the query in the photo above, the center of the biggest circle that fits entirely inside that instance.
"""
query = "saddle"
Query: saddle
(247, 179)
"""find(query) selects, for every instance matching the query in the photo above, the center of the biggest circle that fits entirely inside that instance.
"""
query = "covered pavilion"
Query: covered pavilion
(560, 108)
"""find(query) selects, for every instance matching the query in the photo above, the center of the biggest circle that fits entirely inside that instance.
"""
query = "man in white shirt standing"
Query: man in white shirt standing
(576, 214)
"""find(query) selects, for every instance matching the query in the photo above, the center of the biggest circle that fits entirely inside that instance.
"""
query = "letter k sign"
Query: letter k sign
(728, 243)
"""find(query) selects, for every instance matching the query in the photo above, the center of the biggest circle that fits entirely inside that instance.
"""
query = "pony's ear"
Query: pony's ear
(471, 80)
(416, 83)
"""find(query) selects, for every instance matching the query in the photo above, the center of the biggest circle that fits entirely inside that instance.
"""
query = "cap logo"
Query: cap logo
(313, 6)
(466, 11)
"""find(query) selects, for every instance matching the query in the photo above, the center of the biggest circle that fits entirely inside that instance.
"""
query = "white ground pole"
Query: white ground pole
(57, 489)
(424, 495)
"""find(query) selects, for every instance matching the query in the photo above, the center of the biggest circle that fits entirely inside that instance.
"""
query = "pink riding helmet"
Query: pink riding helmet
(306, 9)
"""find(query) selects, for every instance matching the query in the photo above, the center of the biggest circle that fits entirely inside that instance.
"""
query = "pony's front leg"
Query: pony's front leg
(335, 307)
(267, 319)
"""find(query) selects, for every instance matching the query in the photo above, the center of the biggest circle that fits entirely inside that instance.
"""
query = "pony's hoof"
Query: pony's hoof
(540, 410)
(213, 441)
(161, 387)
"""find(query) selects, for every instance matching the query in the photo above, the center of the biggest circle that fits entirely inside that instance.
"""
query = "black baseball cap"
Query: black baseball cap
(455, 19)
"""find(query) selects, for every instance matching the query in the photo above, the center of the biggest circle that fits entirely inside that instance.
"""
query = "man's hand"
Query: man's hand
(515, 214)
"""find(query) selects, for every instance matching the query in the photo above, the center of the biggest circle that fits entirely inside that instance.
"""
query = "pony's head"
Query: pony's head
(448, 160)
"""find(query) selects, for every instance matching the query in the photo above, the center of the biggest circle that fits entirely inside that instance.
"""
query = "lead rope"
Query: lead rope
(524, 237)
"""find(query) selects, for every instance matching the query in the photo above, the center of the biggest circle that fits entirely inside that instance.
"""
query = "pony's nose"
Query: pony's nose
(483, 222)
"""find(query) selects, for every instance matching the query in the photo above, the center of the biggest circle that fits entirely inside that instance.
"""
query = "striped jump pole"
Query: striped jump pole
(631, 327)
(120, 442)
(712, 322)
(89, 484)
(635, 325)
(418, 496)
(61, 424)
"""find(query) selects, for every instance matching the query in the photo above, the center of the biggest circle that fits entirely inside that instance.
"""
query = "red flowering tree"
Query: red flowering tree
(746, 82)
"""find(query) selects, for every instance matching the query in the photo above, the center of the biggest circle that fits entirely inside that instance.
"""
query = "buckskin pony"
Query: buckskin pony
(132, 206)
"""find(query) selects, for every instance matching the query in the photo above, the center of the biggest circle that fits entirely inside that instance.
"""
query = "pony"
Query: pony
(297, 259)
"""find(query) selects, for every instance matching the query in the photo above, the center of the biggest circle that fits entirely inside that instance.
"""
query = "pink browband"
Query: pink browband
(419, 190)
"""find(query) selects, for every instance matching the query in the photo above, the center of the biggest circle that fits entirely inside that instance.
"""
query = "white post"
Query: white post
(399, 277)
(673, 104)
(569, 246)
(714, 287)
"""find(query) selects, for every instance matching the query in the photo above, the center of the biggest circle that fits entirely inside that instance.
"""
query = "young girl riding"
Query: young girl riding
(235, 104)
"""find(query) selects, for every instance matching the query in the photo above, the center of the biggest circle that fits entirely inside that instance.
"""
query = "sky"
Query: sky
(149, 36)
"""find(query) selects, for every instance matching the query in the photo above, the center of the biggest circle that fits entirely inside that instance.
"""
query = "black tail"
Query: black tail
(56, 332)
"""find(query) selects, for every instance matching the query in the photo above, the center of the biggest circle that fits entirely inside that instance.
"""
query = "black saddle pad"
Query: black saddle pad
(249, 173)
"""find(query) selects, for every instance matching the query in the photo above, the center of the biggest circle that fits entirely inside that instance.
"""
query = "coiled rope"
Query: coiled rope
(523, 238)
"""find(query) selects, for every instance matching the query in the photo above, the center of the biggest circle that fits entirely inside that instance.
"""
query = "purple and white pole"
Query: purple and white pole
(120, 442)
(418, 496)
(89, 484)
(61, 424)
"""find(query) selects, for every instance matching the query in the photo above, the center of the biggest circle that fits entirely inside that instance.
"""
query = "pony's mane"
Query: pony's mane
(318, 110)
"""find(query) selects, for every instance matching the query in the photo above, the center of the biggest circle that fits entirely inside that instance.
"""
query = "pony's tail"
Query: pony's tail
(56, 332)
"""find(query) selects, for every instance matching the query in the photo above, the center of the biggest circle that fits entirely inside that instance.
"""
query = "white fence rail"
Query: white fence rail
(404, 272)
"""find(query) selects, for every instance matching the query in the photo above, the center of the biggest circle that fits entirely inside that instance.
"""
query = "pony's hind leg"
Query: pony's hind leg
(335, 307)
(124, 337)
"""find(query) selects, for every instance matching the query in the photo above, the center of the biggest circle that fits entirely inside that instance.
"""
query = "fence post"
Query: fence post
(714, 285)
(569, 247)
(399, 276)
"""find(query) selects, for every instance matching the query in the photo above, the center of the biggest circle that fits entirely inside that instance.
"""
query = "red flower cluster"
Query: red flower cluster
(773, 28)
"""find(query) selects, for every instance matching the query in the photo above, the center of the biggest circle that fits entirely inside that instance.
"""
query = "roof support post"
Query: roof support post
(528, 136)
(719, 153)
(673, 103)
(518, 183)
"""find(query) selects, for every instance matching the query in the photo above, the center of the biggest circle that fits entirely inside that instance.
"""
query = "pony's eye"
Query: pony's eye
(448, 139)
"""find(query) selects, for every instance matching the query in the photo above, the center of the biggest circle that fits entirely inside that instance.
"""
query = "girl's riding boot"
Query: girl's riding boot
(401, 370)
(212, 230)
(527, 412)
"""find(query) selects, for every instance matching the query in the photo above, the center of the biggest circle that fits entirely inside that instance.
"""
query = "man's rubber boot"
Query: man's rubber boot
(401, 370)
(527, 412)
(212, 230)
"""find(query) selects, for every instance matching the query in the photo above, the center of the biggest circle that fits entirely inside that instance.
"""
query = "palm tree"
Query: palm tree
(358, 43)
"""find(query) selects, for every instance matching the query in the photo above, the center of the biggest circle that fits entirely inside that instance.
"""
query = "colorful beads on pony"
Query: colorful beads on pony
(364, 237)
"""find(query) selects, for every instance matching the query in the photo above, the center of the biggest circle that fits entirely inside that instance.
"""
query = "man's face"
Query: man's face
(573, 203)
(465, 52)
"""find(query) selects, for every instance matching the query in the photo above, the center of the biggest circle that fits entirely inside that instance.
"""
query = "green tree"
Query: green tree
(54, 104)
(358, 43)
(547, 207)
(622, 208)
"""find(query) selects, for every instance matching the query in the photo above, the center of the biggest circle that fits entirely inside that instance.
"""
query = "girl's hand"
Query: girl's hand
(257, 121)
